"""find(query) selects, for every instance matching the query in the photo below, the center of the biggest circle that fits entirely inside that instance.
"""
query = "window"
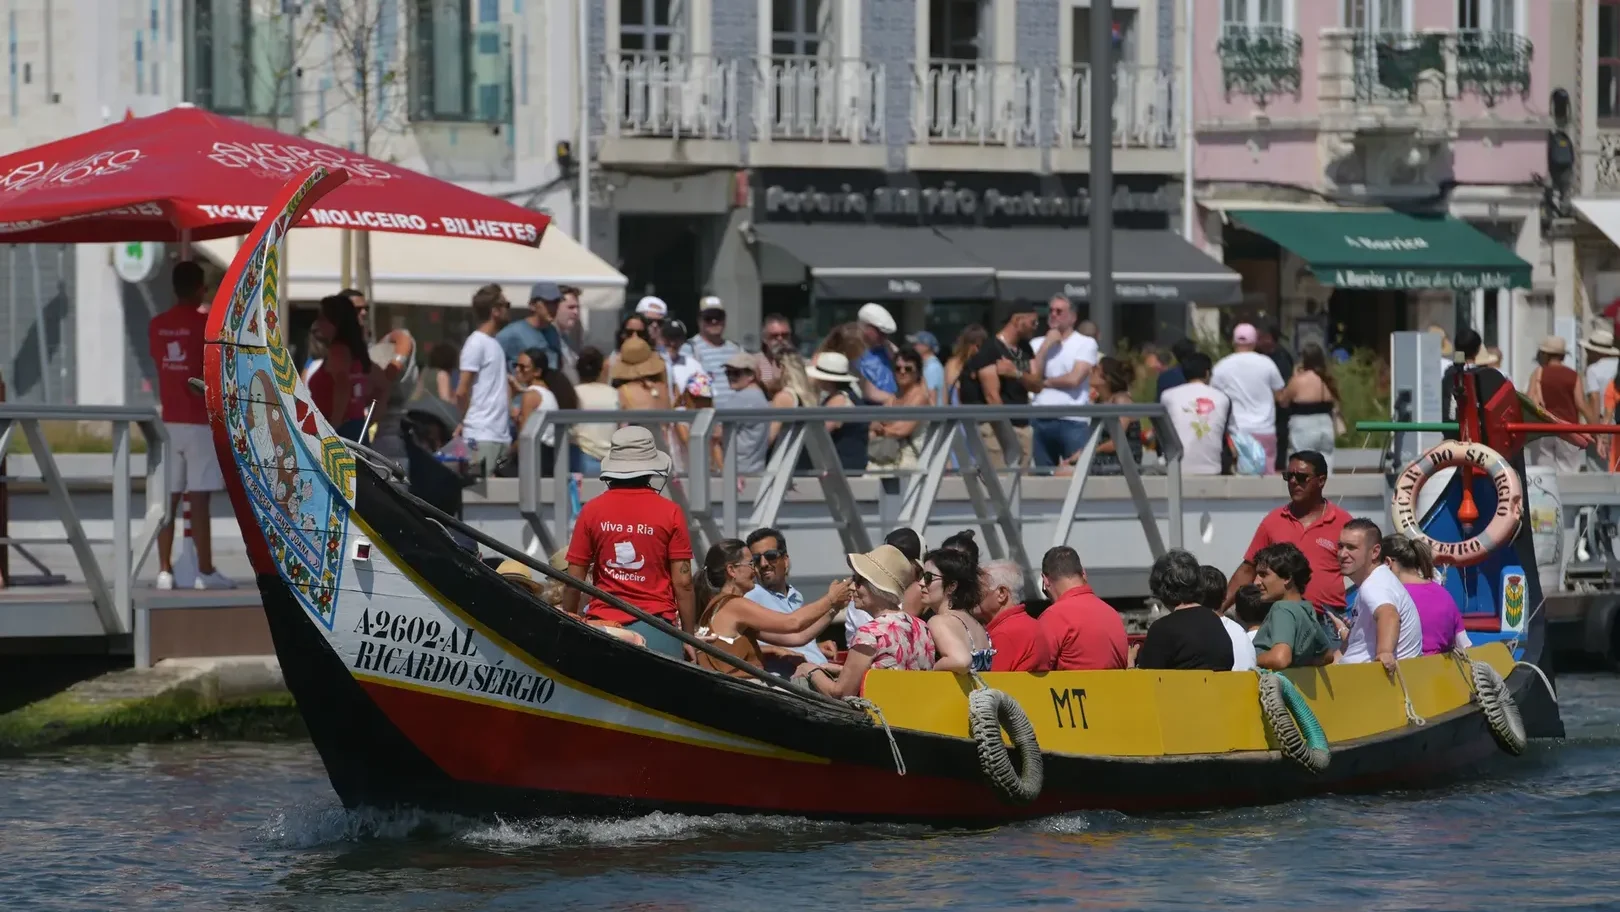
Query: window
(651, 26)
(959, 29)
(1376, 15)
(1253, 14)
(460, 70)
(798, 27)
(237, 62)
(1608, 63)
(1487, 15)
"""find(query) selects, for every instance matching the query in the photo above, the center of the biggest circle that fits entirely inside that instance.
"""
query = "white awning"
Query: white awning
(1604, 214)
(438, 271)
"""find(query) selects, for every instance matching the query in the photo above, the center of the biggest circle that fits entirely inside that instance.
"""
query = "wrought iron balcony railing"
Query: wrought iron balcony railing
(820, 99)
(1493, 65)
(1261, 62)
(1394, 64)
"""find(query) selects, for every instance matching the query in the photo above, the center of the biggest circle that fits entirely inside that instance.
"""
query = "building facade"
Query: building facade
(1373, 165)
(806, 156)
(474, 91)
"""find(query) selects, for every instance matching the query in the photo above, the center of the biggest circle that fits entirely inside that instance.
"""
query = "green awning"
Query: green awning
(1390, 251)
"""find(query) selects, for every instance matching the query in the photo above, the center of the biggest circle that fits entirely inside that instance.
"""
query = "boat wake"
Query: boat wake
(314, 826)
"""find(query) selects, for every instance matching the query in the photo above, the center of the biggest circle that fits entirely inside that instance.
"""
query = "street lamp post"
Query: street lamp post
(1101, 217)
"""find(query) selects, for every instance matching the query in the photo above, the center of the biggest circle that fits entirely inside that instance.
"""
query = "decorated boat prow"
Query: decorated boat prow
(427, 679)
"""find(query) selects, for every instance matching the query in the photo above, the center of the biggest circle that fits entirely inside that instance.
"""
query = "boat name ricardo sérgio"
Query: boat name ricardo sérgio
(408, 646)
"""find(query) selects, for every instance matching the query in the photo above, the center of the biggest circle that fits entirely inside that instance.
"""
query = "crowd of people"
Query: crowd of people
(911, 607)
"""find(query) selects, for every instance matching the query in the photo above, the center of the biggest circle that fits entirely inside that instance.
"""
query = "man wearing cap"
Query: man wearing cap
(653, 311)
(1253, 383)
(753, 440)
(711, 348)
(1555, 387)
(927, 347)
(635, 543)
(683, 365)
(536, 329)
(876, 367)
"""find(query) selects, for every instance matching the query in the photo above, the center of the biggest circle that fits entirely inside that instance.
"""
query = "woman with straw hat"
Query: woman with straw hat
(837, 388)
(636, 543)
(892, 639)
(641, 377)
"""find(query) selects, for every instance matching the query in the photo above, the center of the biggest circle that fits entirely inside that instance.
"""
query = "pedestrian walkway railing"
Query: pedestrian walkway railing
(112, 598)
(951, 443)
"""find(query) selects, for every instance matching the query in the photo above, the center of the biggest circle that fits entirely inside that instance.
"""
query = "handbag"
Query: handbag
(884, 450)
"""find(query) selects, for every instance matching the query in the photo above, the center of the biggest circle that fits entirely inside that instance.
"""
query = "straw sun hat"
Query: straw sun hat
(637, 360)
(885, 568)
(831, 367)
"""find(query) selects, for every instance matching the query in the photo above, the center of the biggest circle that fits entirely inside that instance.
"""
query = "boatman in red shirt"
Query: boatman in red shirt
(635, 542)
(1308, 522)
(175, 339)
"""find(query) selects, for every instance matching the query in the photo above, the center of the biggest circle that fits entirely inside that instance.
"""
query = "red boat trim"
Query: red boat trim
(374, 681)
(534, 665)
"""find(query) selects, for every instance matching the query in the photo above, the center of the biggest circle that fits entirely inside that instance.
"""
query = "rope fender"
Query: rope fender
(1501, 712)
(1292, 722)
(990, 711)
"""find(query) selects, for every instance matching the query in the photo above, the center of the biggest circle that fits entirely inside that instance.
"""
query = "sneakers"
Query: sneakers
(165, 580)
(214, 580)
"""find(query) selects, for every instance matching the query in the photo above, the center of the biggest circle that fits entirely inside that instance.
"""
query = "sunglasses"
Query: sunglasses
(773, 555)
(1298, 478)
(905, 369)
(929, 576)
(860, 583)
(779, 335)
(714, 319)
(736, 372)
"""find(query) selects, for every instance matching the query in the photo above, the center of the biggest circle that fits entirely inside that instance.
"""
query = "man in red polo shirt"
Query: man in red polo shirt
(1308, 522)
(1082, 631)
(1015, 635)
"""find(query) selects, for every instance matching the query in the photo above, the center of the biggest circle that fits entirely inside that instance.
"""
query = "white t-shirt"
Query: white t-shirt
(1383, 587)
(1198, 412)
(1071, 351)
(548, 403)
(1243, 657)
(1250, 379)
(1600, 374)
(486, 418)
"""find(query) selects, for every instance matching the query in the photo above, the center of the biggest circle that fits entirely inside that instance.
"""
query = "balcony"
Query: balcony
(1493, 65)
(669, 96)
(977, 103)
(1397, 64)
(819, 100)
(1143, 107)
(1260, 62)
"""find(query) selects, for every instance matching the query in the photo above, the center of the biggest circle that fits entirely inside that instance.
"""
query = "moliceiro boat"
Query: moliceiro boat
(429, 680)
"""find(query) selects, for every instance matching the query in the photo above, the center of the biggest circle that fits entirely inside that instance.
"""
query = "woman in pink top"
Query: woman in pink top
(892, 639)
(1413, 564)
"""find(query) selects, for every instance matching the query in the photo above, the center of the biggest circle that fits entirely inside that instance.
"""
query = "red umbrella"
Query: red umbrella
(186, 170)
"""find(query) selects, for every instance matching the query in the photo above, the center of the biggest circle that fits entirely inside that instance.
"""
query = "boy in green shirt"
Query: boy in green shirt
(1290, 636)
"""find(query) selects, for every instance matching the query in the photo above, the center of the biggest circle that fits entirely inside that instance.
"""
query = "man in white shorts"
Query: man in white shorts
(175, 338)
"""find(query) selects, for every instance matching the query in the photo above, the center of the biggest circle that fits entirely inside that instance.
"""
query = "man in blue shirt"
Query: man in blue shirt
(876, 367)
(927, 346)
(769, 547)
(536, 329)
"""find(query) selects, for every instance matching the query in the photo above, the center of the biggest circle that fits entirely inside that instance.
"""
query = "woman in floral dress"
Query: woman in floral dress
(892, 639)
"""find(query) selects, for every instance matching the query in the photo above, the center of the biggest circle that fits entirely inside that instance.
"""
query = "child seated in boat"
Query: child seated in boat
(892, 639)
(1290, 635)
(1251, 609)
(552, 593)
(734, 623)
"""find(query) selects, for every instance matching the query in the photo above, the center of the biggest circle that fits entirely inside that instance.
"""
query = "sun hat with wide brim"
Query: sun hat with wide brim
(831, 367)
(632, 454)
(1553, 345)
(520, 574)
(637, 361)
(1600, 342)
(885, 568)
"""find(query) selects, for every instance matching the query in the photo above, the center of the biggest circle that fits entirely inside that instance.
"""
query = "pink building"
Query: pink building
(1315, 118)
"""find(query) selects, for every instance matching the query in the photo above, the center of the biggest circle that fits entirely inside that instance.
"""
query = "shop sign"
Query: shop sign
(1422, 279)
(953, 199)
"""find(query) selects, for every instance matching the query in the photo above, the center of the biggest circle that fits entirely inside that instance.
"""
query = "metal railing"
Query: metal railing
(950, 442)
(977, 102)
(1144, 107)
(670, 95)
(1260, 62)
(114, 601)
(821, 99)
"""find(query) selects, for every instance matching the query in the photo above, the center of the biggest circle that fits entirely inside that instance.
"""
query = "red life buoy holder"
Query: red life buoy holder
(1504, 524)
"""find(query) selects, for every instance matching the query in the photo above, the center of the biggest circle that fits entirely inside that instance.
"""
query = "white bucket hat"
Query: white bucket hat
(632, 454)
(1600, 342)
(831, 367)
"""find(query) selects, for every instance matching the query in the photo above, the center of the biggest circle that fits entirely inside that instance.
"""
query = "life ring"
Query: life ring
(1504, 524)
(1298, 732)
(990, 711)
(1501, 712)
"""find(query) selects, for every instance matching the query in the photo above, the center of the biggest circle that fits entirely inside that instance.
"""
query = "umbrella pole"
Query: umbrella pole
(347, 269)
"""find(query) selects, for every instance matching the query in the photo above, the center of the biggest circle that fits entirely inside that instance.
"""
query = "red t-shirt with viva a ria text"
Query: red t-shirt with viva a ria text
(627, 537)
(175, 338)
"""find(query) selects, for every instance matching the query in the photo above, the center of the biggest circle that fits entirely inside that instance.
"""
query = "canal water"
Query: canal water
(255, 826)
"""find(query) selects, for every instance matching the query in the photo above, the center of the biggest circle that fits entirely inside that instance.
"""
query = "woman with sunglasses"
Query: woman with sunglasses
(734, 623)
(895, 444)
(892, 639)
(951, 590)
